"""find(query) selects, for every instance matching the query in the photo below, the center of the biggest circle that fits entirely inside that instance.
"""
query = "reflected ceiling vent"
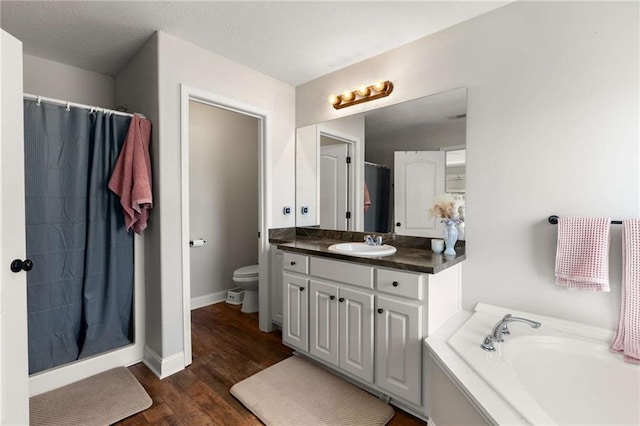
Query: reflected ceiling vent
(457, 117)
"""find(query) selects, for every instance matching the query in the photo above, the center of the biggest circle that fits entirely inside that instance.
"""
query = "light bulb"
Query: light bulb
(363, 90)
(334, 100)
(347, 96)
(379, 86)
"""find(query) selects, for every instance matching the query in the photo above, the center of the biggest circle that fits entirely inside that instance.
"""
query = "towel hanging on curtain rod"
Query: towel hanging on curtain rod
(68, 104)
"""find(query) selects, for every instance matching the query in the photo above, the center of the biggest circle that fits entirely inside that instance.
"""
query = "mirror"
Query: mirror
(379, 171)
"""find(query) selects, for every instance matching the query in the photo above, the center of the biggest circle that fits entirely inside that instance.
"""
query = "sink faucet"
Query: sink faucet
(501, 329)
(373, 241)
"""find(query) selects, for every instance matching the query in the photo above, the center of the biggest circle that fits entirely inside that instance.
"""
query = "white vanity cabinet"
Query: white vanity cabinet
(367, 322)
(341, 327)
(399, 348)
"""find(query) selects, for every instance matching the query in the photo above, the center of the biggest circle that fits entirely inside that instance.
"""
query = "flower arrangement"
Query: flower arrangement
(444, 207)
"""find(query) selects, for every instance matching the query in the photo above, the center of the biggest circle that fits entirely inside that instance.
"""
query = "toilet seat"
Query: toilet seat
(251, 271)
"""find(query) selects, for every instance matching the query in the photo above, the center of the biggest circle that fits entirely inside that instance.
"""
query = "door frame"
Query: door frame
(189, 93)
(356, 174)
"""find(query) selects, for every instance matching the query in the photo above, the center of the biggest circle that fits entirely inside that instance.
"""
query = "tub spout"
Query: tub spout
(501, 329)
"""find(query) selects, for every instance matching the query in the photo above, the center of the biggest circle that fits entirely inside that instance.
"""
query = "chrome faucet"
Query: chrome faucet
(373, 241)
(501, 329)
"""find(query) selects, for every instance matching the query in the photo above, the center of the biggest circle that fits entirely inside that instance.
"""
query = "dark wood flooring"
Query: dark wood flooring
(227, 348)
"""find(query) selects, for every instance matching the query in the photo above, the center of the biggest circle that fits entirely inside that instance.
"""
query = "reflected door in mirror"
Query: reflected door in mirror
(418, 177)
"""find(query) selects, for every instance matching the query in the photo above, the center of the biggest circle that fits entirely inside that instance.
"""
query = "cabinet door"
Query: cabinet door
(276, 285)
(323, 321)
(398, 348)
(295, 331)
(356, 333)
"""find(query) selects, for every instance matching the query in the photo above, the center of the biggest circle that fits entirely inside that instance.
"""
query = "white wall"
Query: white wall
(223, 196)
(182, 62)
(424, 138)
(137, 86)
(55, 80)
(552, 127)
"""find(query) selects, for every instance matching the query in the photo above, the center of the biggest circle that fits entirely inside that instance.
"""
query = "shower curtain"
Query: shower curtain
(80, 290)
(377, 178)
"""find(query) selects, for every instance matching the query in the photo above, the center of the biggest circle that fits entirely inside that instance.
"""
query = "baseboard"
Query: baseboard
(163, 367)
(208, 299)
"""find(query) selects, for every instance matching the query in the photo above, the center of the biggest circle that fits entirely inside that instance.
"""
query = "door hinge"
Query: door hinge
(348, 160)
(348, 215)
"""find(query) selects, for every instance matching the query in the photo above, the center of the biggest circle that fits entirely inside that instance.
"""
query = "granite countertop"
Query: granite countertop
(412, 257)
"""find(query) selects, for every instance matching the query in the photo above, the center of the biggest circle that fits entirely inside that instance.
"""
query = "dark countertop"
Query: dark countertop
(405, 258)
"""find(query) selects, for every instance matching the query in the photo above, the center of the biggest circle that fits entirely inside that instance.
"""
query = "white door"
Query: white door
(398, 348)
(295, 319)
(323, 321)
(418, 177)
(334, 178)
(356, 333)
(14, 370)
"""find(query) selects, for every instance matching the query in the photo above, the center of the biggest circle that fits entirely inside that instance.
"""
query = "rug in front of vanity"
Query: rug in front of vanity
(297, 392)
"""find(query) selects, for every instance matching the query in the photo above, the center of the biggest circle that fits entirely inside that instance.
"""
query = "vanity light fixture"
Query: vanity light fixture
(362, 94)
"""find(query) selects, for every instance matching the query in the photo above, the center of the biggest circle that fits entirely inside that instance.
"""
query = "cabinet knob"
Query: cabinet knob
(293, 263)
(301, 288)
(395, 283)
(332, 297)
(341, 300)
(380, 310)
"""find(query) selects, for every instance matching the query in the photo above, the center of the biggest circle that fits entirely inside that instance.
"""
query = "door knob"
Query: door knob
(380, 310)
(398, 224)
(21, 265)
(293, 263)
(395, 283)
(301, 288)
(341, 300)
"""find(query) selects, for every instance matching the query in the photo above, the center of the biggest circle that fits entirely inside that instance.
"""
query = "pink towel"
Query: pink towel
(131, 177)
(367, 198)
(582, 255)
(627, 336)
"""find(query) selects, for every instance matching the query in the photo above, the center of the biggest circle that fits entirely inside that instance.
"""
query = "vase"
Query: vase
(450, 236)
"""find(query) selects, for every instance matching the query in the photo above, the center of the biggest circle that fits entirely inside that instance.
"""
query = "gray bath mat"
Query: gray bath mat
(102, 399)
(298, 392)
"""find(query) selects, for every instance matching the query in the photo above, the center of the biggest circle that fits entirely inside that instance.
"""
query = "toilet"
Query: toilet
(247, 279)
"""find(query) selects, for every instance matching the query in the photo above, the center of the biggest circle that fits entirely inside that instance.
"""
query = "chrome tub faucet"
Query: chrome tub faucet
(501, 329)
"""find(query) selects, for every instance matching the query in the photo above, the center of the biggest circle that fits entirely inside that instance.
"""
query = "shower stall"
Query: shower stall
(85, 290)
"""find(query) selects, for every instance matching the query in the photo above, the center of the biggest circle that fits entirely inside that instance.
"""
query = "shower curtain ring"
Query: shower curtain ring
(68, 108)
(38, 101)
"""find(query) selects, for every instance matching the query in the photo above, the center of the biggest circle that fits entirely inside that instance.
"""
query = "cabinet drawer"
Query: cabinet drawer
(296, 263)
(350, 273)
(403, 284)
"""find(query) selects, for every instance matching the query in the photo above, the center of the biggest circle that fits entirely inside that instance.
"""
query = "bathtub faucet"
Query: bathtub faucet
(500, 329)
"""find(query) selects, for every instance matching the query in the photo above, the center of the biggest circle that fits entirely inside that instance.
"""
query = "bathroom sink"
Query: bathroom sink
(362, 249)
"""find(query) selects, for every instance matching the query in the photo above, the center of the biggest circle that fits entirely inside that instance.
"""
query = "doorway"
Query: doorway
(219, 172)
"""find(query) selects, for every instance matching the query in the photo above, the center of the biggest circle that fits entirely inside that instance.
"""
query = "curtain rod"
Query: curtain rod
(74, 104)
(376, 165)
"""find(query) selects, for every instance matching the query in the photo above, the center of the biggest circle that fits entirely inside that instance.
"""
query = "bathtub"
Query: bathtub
(561, 373)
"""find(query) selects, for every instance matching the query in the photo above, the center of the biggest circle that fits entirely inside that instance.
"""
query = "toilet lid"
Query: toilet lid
(245, 271)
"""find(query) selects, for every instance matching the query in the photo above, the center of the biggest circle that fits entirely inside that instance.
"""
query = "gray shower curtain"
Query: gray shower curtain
(377, 178)
(80, 290)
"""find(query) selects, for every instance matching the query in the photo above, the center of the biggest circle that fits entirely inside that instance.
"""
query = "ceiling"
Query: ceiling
(295, 41)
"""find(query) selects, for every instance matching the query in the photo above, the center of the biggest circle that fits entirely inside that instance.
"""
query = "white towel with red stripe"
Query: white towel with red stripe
(582, 254)
(627, 336)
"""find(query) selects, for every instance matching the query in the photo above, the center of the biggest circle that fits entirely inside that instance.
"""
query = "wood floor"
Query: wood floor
(227, 348)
